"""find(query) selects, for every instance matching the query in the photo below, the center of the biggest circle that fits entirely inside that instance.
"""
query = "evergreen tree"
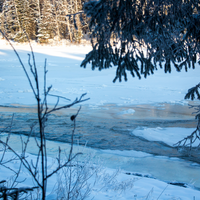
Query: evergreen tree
(32, 17)
(42, 20)
(21, 10)
(66, 21)
(10, 20)
(1, 5)
(57, 7)
(47, 23)
(1, 17)
(62, 23)
(137, 35)
(77, 22)
(19, 19)
(75, 28)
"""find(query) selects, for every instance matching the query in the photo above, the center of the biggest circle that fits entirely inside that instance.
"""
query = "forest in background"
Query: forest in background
(43, 20)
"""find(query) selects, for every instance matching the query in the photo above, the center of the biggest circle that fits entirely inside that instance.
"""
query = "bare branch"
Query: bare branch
(74, 14)
(76, 101)
(189, 140)
(63, 165)
(59, 97)
(23, 160)
(7, 139)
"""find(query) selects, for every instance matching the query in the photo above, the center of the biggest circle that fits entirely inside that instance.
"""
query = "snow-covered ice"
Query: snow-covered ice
(169, 136)
(69, 80)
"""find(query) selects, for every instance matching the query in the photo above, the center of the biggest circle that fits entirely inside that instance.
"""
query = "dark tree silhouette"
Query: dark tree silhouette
(136, 36)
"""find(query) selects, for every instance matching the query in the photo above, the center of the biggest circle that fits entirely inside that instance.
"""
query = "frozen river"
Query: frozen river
(107, 132)
(107, 126)
(115, 122)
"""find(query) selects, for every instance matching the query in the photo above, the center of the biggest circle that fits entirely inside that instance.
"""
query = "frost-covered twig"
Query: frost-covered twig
(194, 137)
(190, 140)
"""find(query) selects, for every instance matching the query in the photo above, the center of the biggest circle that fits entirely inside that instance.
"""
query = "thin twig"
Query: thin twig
(76, 101)
(29, 80)
(162, 191)
(7, 139)
(78, 13)
(63, 165)
(53, 95)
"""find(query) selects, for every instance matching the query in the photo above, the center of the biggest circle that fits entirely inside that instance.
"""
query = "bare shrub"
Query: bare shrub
(43, 112)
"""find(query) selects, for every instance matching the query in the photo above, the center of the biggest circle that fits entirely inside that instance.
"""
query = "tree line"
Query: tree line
(42, 20)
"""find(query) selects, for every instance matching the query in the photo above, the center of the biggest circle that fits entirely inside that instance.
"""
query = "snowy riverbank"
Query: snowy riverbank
(158, 90)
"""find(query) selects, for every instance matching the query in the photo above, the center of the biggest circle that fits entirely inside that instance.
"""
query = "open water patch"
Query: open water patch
(108, 127)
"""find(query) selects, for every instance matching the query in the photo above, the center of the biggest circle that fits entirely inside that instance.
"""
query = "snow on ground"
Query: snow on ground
(69, 80)
(124, 185)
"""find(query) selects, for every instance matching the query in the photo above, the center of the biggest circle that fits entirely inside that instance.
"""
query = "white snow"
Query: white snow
(129, 111)
(69, 80)
(169, 136)
(138, 187)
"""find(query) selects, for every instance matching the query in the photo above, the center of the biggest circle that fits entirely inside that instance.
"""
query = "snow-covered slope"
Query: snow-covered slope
(68, 79)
